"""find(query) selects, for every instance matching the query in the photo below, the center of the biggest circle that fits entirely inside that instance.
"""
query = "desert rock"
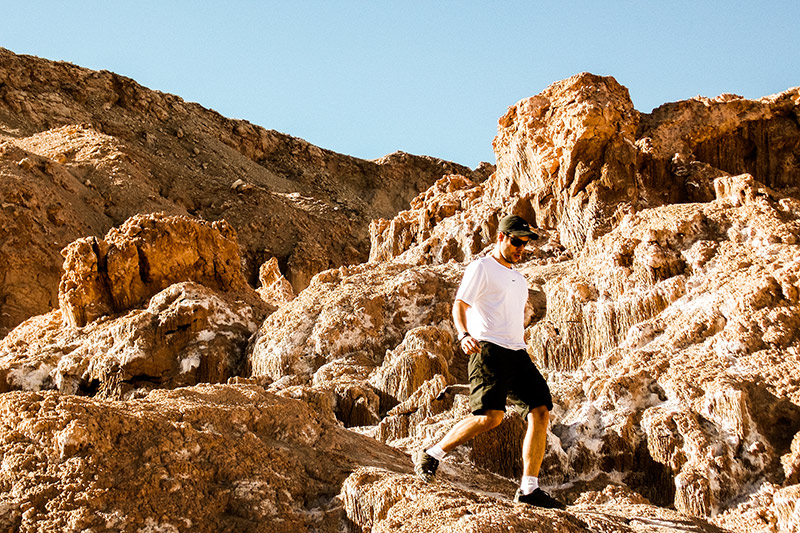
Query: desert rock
(274, 288)
(662, 311)
(145, 255)
(568, 153)
(160, 302)
(209, 458)
(381, 501)
(337, 333)
(667, 331)
(82, 151)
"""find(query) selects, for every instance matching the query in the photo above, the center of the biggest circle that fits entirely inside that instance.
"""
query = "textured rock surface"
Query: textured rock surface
(335, 335)
(568, 152)
(187, 334)
(382, 501)
(160, 302)
(274, 288)
(662, 310)
(578, 157)
(210, 458)
(145, 255)
(667, 329)
(82, 151)
(582, 157)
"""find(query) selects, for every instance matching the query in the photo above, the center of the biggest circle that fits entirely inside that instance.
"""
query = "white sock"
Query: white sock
(529, 484)
(436, 452)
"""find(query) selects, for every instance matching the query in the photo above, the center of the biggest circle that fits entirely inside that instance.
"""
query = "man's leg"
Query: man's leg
(426, 462)
(535, 441)
(488, 379)
(469, 428)
(533, 448)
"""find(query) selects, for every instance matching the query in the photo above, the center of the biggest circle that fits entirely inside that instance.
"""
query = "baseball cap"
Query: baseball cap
(517, 226)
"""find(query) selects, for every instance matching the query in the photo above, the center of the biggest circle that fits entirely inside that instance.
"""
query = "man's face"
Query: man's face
(512, 247)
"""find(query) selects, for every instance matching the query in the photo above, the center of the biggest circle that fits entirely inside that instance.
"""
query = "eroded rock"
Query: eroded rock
(208, 458)
(274, 288)
(376, 500)
(187, 334)
(144, 256)
(160, 302)
(338, 330)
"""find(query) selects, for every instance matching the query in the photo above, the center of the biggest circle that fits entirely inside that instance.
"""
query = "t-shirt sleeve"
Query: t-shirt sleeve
(472, 283)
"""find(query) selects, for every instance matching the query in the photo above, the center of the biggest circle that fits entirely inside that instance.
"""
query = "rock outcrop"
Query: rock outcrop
(663, 311)
(578, 157)
(82, 151)
(206, 458)
(381, 501)
(569, 154)
(159, 302)
(274, 288)
(144, 256)
(345, 334)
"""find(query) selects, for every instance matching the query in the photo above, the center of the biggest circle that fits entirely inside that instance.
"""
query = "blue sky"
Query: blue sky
(367, 78)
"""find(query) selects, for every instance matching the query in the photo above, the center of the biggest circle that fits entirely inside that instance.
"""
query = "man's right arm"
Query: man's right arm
(468, 343)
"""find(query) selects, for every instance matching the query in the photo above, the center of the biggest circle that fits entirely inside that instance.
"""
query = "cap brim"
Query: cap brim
(523, 233)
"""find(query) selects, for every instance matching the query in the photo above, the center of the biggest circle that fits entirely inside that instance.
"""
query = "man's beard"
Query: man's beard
(510, 259)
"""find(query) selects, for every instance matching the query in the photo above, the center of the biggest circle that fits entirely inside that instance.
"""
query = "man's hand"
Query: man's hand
(470, 345)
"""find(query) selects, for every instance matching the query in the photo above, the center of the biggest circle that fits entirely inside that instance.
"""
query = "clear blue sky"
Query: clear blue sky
(366, 78)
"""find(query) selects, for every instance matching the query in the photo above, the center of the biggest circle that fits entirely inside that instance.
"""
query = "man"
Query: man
(489, 314)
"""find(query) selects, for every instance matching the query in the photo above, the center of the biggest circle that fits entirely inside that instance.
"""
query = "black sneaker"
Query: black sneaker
(425, 466)
(539, 498)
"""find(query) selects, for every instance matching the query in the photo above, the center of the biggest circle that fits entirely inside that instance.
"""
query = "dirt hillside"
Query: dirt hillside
(81, 151)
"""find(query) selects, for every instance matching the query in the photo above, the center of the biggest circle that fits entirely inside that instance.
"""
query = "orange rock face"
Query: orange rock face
(662, 309)
(144, 256)
(83, 151)
(160, 302)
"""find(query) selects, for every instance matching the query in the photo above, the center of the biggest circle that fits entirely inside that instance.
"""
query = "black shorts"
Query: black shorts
(497, 374)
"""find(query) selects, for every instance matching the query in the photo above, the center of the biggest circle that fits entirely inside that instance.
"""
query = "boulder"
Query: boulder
(187, 334)
(161, 302)
(274, 288)
(144, 256)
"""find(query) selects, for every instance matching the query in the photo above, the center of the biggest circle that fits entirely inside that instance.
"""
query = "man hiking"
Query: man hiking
(489, 312)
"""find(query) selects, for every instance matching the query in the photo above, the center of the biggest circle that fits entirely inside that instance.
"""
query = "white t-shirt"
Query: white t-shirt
(496, 296)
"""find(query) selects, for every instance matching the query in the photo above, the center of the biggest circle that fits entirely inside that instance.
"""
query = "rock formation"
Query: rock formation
(207, 458)
(159, 302)
(336, 334)
(382, 501)
(82, 151)
(144, 256)
(663, 311)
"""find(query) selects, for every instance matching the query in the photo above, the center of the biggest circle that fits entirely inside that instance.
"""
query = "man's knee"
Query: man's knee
(491, 418)
(539, 415)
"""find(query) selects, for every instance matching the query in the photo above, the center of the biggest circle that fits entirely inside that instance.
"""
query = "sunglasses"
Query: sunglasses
(516, 242)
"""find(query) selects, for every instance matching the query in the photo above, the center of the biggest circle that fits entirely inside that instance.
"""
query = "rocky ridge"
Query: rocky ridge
(81, 151)
(662, 310)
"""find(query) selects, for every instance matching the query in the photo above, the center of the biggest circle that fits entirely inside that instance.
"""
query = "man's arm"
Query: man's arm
(468, 344)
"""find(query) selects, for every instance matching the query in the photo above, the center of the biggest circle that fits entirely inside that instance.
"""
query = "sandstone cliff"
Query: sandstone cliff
(662, 310)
